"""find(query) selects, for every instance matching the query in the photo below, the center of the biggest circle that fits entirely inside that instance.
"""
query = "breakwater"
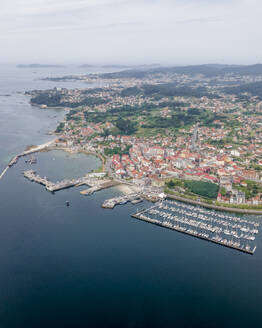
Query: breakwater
(32, 150)
(51, 186)
(95, 184)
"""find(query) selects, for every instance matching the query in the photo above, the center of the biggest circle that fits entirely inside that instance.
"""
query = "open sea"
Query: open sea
(84, 266)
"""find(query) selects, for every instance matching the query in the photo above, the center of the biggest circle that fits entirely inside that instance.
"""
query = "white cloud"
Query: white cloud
(171, 31)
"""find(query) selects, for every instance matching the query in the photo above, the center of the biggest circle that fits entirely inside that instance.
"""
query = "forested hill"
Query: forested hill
(255, 89)
(208, 70)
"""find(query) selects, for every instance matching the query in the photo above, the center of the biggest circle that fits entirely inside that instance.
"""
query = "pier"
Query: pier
(94, 183)
(111, 203)
(32, 150)
(133, 197)
(51, 186)
(221, 229)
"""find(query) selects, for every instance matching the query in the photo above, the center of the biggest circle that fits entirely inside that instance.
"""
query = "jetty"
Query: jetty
(36, 149)
(221, 229)
(94, 183)
(32, 150)
(52, 186)
(12, 162)
(4, 172)
(134, 198)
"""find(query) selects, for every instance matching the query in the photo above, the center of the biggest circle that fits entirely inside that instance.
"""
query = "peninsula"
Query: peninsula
(191, 132)
(172, 136)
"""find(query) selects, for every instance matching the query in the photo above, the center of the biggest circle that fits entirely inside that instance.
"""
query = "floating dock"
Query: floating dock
(209, 232)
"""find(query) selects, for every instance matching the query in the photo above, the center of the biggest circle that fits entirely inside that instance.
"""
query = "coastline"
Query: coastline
(80, 151)
(125, 189)
(129, 189)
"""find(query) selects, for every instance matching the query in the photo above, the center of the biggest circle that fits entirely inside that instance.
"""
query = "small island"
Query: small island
(38, 66)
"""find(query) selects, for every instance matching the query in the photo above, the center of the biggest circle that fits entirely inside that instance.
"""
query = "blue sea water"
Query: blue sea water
(84, 266)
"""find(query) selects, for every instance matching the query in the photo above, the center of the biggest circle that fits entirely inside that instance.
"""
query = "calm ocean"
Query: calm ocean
(83, 266)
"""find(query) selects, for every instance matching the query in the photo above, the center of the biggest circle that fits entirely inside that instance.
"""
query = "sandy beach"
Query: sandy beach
(125, 189)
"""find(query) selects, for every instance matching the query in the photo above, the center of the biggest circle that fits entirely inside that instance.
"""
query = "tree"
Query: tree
(60, 127)
(125, 126)
(171, 184)
(205, 189)
(223, 191)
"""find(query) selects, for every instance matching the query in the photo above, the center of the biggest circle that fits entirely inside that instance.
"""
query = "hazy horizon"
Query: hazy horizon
(127, 65)
(131, 32)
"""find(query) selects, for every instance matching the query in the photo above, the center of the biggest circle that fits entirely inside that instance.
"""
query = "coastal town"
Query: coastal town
(186, 135)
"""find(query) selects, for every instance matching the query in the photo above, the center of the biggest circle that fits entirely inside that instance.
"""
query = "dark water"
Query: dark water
(83, 266)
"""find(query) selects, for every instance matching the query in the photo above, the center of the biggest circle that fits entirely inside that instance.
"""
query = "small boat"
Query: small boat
(67, 203)
(33, 160)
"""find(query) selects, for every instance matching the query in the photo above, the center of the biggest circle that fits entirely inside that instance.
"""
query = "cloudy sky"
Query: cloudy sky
(131, 31)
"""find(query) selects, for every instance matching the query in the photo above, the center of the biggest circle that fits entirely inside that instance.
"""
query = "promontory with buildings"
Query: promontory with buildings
(192, 132)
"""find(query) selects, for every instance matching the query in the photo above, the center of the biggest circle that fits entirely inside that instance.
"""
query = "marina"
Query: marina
(208, 224)
(226, 230)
